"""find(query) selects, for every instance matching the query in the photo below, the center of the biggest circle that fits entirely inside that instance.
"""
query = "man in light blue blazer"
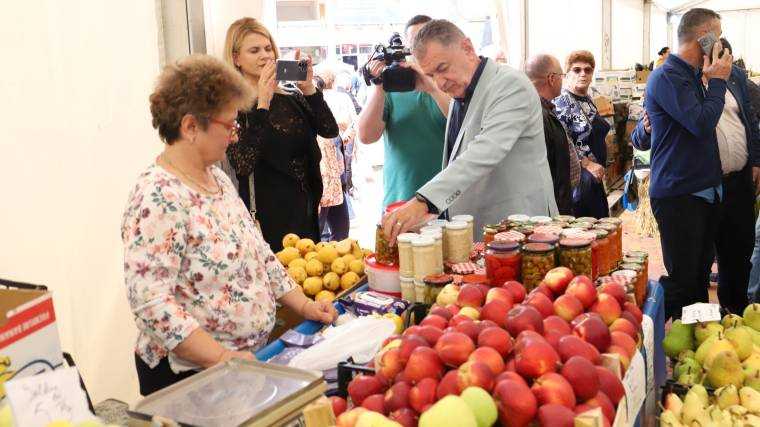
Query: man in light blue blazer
(494, 156)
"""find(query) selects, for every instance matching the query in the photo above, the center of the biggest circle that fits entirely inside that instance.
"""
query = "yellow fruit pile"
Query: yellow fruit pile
(322, 269)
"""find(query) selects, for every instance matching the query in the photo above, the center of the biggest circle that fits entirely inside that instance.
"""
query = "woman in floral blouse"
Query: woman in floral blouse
(202, 283)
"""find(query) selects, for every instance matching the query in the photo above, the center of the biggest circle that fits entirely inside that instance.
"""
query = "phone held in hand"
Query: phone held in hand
(290, 70)
(707, 42)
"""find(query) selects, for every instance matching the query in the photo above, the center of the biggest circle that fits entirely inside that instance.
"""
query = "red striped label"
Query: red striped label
(27, 322)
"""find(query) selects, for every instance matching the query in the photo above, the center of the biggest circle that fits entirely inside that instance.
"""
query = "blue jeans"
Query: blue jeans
(754, 274)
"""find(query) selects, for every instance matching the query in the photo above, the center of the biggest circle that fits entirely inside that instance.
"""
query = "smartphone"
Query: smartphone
(290, 70)
(707, 42)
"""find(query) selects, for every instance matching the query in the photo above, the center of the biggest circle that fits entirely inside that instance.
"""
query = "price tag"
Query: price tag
(700, 312)
(635, 386)
(41, 399)
(647, 326)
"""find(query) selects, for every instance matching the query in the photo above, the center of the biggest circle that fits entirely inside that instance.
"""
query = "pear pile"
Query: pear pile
(728, 407)
(323, 269)
(717, 354)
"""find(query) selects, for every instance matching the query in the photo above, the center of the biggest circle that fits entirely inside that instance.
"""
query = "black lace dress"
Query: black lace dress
(279, 146)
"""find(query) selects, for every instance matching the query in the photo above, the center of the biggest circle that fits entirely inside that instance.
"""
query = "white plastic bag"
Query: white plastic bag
(360, 339)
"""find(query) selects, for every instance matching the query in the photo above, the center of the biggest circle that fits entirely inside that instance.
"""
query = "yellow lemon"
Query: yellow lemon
(356, 250)
(348, 258)
(314, 267)
(325, 296)
(344, 246)
(331, 281)
(310, 256)
(356, 266)
(298, 262)
(321, 245)
(339, 266)
(327, 254)
(305, 245)
(290, 240)
(397, 320)
(288, 254)
(312, 285)
(298, 274)
(348, 280)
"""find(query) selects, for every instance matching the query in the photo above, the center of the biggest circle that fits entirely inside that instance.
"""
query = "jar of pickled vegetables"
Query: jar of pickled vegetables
(489, 232)
(600, 253)
(503, 262)
(613, 236)
(470, 221)
(618, 223)
(405, 257)
(583, 225)
(456, 242)
(434, 283)
(643, 259)
(576, 255)
(384, 252)
(537, 260)
(640, 283)
(424, 254)
(407, 288)
(437, 235)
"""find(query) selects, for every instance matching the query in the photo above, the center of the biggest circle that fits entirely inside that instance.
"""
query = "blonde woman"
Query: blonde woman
(278, 138)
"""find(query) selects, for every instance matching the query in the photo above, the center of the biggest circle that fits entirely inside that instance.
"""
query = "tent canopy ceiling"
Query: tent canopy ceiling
(676, 5)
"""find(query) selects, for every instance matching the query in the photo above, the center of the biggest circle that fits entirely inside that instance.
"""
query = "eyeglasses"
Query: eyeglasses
(233, 128)
(556, 74)
(577, 70)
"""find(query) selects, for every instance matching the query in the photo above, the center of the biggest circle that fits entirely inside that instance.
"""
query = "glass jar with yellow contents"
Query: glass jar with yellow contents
(576, 255)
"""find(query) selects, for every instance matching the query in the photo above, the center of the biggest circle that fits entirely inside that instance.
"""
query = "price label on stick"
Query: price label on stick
(700, 312)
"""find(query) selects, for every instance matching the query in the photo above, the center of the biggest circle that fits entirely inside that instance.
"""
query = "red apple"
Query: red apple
(594, 332)
(582, 288)
(475, 374)
(423, 363)
(516, 289)
(553, 415)
(376, 403)
(443, 312)
(524, 317)
(470, 296)
(453, 309)
(535, 359)
(557, 279)
(572, 345)
(581, 374)
(610, 384)
(602, 401)
(543, 289)
(490, 357)
(623, 340)
(471, 329)
(404, 416)
(553, 388)
(485, 324)
(389, 339)
(516, 403)
(526, 337)
(431, 334)
(540, 302)
(627, 315)
(412, 330)
(389, 365)
(339, 405)
(625, 326)
(635, 310)
(614, 289)
(509, 375)
(457, 319)
(448, 385)
(435, 321)
(496, 338)
(555, 328)
(608, 307)
(568, 307)
(454, 348)
(409, 343)
(500, 294)
(583, 317)
(496, 310)
(423, 394)
(362, 386)
(625, 358)
(397, 396)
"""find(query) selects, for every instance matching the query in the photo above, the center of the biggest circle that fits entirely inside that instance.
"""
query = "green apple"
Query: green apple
(482, 405)
(451, 411)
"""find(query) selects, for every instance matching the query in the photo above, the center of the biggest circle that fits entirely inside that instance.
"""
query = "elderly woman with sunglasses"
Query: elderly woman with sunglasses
(202, 282)
(576, 110)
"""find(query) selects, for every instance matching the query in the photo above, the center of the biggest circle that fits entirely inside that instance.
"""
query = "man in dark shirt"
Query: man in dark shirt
(686, 182)
(546, 74)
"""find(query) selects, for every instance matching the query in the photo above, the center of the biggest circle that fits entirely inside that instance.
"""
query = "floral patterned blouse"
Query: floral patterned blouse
(193, 260)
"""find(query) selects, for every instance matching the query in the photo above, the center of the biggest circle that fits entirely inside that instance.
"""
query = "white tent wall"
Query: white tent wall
(626, 31)
(558, 27)
(76, 134)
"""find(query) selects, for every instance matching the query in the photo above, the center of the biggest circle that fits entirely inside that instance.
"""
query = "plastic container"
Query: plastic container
(503, 262)
(381, 277)
(457, 243)
(407, 288)
(470, 221)
(384, 252)
(576, 255)
(425, 264)
(537, 260)
(405, 257)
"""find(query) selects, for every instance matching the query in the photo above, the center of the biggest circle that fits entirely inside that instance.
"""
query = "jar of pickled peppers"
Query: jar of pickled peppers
(537, 260)
(618, 223)
(503, 261)
(489, 231)
(612, 236)
(384, 252)
(600, 253)
(576, 255)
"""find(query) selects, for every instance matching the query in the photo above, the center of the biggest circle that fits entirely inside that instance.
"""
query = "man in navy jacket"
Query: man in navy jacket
(688, 186)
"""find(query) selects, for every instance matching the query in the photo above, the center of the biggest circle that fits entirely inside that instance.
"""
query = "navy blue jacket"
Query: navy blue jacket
(737, 85)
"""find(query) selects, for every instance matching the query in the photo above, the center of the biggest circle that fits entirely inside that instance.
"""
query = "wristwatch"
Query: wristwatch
(431, 207)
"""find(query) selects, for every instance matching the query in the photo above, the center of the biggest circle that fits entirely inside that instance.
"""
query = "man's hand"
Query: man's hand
(320, 311)
(595, 169)
(756, 179)
(719, 68)
(403, 219)
(647, 125)
(376, 68)
(423, 82)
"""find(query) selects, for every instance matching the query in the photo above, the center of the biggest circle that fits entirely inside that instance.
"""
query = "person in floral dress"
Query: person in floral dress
(201, 281)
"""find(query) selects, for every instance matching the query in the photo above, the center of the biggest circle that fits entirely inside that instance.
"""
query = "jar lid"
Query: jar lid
(590, 219)
(571, 232)
(510, 235)
(406, 279)
(548, 229)
(543, 238)
(628, 274)
(503, 245)
(582, 224)
(518, 218)
(437, 223)
(456, 225)
(638, 254)
(406, 237)
(540, 219)
(538, 247)
(465, 218)
(435, 233)
(524, 229)
(606, 226)
(564, 218)
(600, 234)
(425, 240)
(611, 220)
(371, 262)
(586, 235)
(574, 243)
(429, 228)
(631, 266)
(438, 279)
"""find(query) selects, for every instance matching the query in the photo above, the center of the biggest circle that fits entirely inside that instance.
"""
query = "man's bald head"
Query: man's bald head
(545, 72)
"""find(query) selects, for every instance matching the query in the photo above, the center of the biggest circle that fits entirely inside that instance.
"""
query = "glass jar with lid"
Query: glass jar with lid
(503, 262)
(618, 223)
(563, 218)
(510, 235)
(457, 244)
(437, 235)
(434, 284)
(423, 251)
(384, 252)
(407, 288)
(643, 259)
(600, 253)
(525, 229)
(470, 221)
(576, 255)
(537, 260)
(612, 234)
(551, 239)
(421, 292)
(489, 232)
(405, 257)
(640, 283)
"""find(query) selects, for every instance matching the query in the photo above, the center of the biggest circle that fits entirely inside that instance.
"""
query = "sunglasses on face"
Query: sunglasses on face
(232, 127)
(577, 70)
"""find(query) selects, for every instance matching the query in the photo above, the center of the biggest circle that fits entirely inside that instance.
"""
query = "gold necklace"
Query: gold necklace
(203, 187)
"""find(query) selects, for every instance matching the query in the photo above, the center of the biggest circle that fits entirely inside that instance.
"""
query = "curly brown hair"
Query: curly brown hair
(200, 85)
(579, 56)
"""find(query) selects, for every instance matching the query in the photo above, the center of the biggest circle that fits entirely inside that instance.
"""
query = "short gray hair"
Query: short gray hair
(439, 30)
(692, 20)
(539, 66)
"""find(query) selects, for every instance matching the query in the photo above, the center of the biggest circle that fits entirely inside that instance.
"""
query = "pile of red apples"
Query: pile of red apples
(539, 355)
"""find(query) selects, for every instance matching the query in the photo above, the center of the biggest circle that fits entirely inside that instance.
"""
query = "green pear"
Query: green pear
(725, 369)
(669, 419)
(719, 345)
(741, 340)
(727, 396)
(751, 365)
(752, 380)
(751, 420)
(693, 408)
(704, 348)
(718, 417)
(687, 354)
(704, 330)
(737, 410)
(750, 399)
(684, 366)
(451, 411)
(731, 321)
(678, 339)
(701, 392)
(482, 405)
(674, 404)
(690, 378)
(752, 316)
(755, 335)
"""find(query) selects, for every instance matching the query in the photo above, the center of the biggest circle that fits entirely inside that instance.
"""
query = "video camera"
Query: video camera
(394, 77)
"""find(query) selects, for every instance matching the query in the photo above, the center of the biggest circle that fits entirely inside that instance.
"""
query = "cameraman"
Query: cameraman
(413, 124)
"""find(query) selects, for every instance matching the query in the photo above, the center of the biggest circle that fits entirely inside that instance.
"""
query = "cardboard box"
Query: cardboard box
(642, 76)
(29, 341)
(604, 105)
